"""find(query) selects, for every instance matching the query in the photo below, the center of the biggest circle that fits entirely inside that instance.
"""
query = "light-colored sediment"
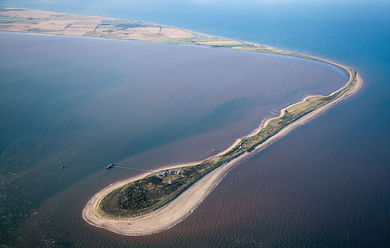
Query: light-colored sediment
(45, 22)
(176, 210)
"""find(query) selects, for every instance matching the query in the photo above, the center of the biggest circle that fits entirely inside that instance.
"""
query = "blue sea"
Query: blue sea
(83, 103)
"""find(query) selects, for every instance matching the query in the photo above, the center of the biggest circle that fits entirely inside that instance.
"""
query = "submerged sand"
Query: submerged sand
(179, 208)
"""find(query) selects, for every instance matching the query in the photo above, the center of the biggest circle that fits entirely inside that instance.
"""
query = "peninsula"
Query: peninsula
(155, 201)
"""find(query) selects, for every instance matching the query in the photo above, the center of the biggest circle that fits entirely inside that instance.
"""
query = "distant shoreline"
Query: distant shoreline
(53, 23)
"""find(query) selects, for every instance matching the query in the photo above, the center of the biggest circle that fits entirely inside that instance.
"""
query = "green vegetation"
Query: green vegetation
(226, 46)
(32, 30)
(152, 192)
(146, 194)
(125, 26)
(2, 9)
(178, 41)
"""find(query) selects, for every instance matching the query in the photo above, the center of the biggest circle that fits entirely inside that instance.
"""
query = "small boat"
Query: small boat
(109, 166)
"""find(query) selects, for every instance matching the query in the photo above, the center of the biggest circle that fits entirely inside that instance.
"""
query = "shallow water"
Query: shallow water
(84, 103)
(323, 185)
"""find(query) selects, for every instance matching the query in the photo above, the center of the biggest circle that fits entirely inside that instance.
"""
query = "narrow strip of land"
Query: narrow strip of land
(171, 210)
(177, 209)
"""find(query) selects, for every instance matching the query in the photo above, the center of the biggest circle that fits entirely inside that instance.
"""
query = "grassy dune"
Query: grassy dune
(153, 192)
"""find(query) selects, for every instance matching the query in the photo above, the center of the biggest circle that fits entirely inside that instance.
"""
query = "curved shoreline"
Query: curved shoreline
(55, 23)
(180, 207)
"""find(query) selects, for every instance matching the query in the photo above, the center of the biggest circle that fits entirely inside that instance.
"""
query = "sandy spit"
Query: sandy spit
(183, 205)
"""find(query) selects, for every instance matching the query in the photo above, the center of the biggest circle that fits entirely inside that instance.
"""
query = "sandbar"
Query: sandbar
(179, 208)
(45, 22)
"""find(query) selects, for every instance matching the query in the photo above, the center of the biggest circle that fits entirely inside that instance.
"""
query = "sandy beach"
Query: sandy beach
(179, 208)
(20, 20)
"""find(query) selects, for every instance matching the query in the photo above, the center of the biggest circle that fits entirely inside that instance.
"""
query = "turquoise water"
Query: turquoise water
(326, 184)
